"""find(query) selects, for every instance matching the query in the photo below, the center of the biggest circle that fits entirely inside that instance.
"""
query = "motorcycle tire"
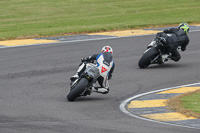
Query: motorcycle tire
(147, 57)
(77, 90)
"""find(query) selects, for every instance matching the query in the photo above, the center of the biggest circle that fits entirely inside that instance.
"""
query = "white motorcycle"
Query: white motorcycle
(83, 85)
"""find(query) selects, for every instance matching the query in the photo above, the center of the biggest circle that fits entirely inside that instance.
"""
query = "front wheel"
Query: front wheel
(77, 90)
(147, 57)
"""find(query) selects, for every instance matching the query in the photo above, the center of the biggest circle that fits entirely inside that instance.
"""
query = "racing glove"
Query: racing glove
(166, 30)
(183, 48)
(84, 59)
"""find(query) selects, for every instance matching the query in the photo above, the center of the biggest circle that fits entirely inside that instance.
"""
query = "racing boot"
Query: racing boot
(78, 73)
(100, 90)
(165, 58)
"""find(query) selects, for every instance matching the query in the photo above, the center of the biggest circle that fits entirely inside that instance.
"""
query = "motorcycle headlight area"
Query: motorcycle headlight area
(93, 72)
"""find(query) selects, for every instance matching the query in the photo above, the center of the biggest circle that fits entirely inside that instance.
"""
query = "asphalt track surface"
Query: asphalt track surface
(34, 82)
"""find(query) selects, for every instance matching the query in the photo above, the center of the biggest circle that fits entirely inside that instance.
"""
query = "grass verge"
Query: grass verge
(187, 104)
(34, 18)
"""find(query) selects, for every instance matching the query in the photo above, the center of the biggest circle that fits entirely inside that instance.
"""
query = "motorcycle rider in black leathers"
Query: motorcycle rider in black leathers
(174, 38)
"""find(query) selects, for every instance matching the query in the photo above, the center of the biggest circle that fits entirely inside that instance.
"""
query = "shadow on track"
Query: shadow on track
(86, 99)
(167, 65)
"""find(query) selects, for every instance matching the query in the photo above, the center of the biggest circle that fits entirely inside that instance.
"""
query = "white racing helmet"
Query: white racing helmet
(107, 49)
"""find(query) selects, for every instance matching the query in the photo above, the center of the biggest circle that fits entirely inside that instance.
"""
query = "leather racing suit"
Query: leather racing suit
(105, 63)
(174, 38)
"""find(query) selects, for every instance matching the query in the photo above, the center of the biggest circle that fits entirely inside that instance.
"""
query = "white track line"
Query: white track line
(124, 103)
(85, 40)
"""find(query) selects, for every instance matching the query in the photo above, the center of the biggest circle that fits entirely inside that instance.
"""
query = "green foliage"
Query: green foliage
(50, 17)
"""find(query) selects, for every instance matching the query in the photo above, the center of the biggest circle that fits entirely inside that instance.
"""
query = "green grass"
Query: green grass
(51, 17)
(187, 104)
(191, 102)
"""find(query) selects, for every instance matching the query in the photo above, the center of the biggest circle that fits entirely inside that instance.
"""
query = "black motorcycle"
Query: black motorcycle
(83, 85)
(156, 53)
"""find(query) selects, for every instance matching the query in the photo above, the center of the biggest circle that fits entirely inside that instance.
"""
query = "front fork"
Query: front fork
(88, 89)
(158, 58)
(73, 84)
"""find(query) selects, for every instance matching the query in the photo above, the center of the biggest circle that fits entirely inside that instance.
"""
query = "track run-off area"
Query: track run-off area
(35, 81)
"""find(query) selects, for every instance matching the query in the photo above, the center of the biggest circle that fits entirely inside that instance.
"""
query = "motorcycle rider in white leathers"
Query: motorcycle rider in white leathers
(104, 63)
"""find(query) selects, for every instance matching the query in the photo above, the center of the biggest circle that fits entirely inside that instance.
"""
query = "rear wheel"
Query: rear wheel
(147, 57)
(77, 90)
